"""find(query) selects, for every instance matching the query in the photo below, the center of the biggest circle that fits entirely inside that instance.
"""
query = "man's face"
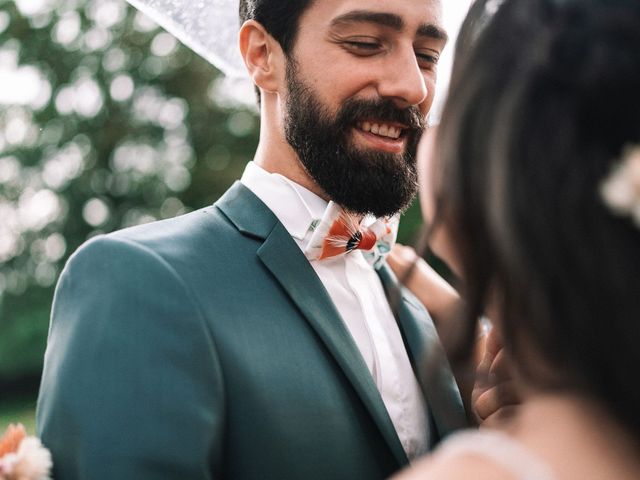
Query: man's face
(360, 83)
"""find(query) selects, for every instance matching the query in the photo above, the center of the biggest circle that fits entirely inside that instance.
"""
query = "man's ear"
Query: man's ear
(262, 56)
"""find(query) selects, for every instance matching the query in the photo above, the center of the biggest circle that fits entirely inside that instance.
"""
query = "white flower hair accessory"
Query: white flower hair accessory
(621, 189)
(23, 457)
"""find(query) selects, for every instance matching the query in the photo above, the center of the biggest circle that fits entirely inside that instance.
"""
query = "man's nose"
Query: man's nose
(403, 81)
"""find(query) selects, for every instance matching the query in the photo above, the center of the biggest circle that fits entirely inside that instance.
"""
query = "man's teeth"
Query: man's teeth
(381, 129)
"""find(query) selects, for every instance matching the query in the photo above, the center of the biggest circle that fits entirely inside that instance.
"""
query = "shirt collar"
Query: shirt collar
(295, 206)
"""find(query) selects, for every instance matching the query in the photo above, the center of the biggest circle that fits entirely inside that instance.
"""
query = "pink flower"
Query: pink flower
(22, 457)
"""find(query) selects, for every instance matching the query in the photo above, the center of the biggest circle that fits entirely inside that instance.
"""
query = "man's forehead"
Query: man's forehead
(409, 15)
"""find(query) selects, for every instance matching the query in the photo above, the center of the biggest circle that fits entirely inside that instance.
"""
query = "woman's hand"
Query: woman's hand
(495, 395)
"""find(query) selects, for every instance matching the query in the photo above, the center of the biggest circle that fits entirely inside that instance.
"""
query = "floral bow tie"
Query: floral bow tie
(340, 232)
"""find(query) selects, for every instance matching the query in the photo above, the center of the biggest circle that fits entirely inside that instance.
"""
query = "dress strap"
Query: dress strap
(498, 448)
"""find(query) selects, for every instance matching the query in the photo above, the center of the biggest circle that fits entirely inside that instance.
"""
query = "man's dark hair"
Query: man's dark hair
(279, 17)
(539, 108)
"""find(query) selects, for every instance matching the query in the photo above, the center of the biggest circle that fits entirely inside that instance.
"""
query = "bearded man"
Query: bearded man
(236, 342)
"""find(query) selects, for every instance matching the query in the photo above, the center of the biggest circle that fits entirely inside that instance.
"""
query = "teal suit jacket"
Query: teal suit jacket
(206, 347)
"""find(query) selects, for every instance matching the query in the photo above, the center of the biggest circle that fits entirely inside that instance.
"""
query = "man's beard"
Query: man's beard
(361, 181)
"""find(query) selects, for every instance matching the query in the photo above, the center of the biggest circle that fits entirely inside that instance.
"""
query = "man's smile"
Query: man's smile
(382, 129)
(388, 137)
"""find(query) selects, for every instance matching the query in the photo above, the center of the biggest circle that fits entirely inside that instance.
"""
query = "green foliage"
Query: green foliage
(109, 123)
(18, 410)
(24, 332)
(124, 126)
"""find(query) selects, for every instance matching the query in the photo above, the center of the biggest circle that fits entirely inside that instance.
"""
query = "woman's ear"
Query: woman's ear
(262, 56)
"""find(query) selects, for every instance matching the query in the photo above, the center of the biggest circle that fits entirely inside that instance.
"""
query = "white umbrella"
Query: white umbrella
(208, 27)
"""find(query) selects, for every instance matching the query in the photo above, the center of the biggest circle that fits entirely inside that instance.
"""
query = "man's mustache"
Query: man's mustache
(384, 110)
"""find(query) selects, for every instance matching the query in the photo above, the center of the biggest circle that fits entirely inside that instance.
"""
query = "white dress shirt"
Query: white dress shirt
(357, 293)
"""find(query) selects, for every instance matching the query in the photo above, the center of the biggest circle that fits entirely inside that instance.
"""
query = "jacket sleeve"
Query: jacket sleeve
(132, 385)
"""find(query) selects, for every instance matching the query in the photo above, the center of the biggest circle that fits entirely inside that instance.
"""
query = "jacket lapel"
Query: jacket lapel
(282, 256)
(426, 352)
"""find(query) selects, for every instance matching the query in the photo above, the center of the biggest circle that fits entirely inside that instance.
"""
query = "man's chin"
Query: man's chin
(375, 158)
(373, 194)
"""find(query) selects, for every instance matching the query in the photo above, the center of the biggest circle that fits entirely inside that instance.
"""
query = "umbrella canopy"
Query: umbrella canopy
(208, 27)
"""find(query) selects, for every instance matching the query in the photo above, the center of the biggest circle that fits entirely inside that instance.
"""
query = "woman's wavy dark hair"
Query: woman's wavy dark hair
(545, 95)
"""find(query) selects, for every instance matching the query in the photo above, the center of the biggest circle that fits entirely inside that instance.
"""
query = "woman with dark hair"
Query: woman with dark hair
(535, 182)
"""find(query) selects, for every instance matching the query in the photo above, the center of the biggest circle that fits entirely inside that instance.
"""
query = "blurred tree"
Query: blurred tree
(106, 121)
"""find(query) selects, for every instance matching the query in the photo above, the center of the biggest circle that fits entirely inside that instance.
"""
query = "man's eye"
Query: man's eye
(364, 47)
(426, 60)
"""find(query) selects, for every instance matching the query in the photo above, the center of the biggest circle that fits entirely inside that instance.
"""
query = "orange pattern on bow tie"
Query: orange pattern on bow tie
(346, 235)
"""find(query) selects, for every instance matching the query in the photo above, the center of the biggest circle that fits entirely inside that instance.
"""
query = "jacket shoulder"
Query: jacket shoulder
(171, 240)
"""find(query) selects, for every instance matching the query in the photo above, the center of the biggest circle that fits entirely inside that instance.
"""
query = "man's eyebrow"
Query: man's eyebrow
(366, 16)
(388, 20)
(431, 30)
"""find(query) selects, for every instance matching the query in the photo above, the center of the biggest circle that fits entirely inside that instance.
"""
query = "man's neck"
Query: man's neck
(275, 155)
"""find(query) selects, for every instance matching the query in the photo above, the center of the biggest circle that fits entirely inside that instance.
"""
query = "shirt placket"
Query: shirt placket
(355, 279)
